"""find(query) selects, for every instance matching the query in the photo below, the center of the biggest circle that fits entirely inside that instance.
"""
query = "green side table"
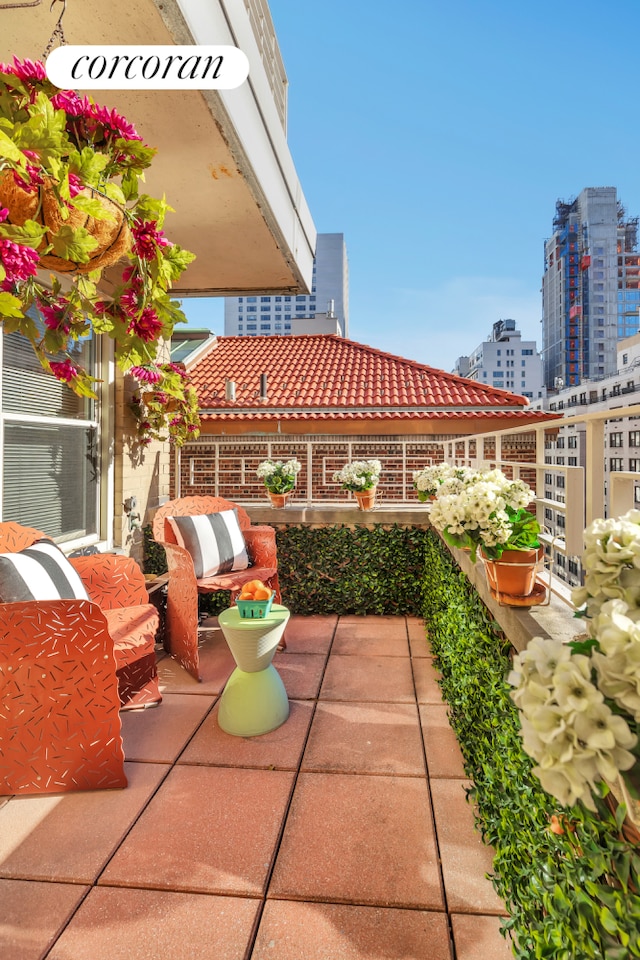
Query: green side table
(254, 701)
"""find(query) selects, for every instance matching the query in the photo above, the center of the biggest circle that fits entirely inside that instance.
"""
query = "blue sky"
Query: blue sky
(438, 136)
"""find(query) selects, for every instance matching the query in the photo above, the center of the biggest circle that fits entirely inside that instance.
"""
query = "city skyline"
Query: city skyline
(439, 143)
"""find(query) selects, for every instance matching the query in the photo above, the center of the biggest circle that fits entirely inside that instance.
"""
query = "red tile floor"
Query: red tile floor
(343, 835)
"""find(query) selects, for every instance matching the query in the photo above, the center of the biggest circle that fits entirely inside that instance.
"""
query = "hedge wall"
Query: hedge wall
(570, 896)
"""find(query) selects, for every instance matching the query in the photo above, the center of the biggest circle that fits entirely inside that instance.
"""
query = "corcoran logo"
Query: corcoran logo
(147, 67)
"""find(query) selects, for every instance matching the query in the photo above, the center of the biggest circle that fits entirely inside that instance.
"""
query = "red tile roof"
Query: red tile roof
(322, 375)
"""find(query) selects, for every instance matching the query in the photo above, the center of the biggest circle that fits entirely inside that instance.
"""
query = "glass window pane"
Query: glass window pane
(51, 478)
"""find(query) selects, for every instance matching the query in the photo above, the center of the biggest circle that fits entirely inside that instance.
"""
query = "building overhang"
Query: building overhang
(223, 162)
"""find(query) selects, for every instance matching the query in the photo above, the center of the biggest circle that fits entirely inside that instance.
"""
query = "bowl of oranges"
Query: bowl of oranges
(254, 600)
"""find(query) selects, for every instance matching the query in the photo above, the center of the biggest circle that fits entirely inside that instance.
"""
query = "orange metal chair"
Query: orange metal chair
(67, 667)
(181, 634)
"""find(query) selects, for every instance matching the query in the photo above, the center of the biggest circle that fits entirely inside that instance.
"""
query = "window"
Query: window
(634, 438)
(573, 567)
(265, 326)
(634, 465)
(560, 443)
(560, 520)
(51, 460)
(301, 299)
(523, 363)
(252, 309)
(265, 309)
(265, 299)
(615, 439)
(572, 442)
(251, 299)
(527, 353)
(615, 464)
(560, 482)
(252, 326)
(625, 358)
(560, 461)
(498, 362)
(572, 461)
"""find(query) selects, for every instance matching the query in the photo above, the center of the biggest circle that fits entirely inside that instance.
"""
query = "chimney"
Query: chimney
(230, 390)
(331, 309)
(263, 386)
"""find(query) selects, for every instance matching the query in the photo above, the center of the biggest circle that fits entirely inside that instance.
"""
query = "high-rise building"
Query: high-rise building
(590, 287)
(505, 360)
(262, 315)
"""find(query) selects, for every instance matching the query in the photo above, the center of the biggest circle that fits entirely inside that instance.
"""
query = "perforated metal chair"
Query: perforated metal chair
(67, 667)
(181, 633)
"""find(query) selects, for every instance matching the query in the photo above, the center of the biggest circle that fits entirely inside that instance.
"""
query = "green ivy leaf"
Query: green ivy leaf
(73, 244)
(9, 150)
(10, 306)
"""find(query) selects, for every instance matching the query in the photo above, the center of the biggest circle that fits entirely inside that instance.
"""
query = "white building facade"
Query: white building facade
(268, 314)
(622, 439)
(505, 360)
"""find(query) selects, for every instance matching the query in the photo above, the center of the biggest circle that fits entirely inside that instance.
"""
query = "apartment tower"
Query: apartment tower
(590, 287)
(324, 310)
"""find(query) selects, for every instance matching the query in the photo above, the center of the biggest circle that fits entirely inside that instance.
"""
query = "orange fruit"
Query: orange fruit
(262, 593)
(253, 585)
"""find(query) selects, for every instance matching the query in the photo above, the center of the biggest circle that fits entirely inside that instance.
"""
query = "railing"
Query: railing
(265, 36)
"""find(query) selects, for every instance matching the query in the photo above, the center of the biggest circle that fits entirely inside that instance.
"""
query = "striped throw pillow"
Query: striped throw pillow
(214, 541)
(40, 572)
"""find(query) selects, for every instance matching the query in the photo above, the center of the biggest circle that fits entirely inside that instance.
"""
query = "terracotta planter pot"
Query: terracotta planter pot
(112, 234)
(366, 498)
(514, 574)
(278, 500)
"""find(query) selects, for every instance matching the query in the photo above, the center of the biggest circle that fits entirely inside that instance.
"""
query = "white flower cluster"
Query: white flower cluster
(429, 479)
(477, 509)
(568, 729)
(359, 474)
(611, 562)
(268, 468)
(617, 661)
(474, 504)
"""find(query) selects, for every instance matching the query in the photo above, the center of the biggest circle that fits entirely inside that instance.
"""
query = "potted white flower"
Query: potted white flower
(279, 479)
(489, 514)
(426, 482)
(580, 702)
(361, 478)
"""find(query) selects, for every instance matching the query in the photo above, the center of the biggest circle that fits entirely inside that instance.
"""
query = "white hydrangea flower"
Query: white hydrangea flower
(567, 728)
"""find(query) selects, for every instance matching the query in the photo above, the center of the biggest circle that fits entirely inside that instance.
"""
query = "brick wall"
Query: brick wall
(226, 466)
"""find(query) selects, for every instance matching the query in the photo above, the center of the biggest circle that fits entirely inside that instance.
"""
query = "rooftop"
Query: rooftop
(323, 375)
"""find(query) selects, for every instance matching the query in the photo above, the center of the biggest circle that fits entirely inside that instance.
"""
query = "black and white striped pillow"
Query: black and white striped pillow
(40, 572)
(214, 541)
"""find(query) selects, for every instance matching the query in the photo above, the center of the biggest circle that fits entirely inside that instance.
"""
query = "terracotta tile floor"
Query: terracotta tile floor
(343, 835)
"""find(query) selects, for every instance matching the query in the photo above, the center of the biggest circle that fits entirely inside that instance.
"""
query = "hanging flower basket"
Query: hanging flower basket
(70, 173)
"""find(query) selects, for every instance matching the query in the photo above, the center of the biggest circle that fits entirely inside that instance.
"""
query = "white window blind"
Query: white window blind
(50, 469)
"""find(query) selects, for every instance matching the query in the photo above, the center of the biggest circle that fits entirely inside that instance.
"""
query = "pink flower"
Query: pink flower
(147, 326)
(176, 422)
(177, 369)
(129, 301)
(34, 181)
(64, 371)
(147, 238)
(25, 69)
(75, 185)
(20, 262)
(146, 374)
(191, 428)
(4, 213)
(56, 315)
(114, 124)
(70, 102)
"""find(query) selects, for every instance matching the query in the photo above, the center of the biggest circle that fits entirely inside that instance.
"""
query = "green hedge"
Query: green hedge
(570, 897)
(347, 570)
(336, 570)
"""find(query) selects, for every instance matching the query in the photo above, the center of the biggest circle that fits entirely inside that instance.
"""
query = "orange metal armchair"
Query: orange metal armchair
(181, 634)
(67, 667)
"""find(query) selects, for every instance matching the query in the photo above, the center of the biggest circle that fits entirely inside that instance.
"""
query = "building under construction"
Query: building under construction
(590, 287)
